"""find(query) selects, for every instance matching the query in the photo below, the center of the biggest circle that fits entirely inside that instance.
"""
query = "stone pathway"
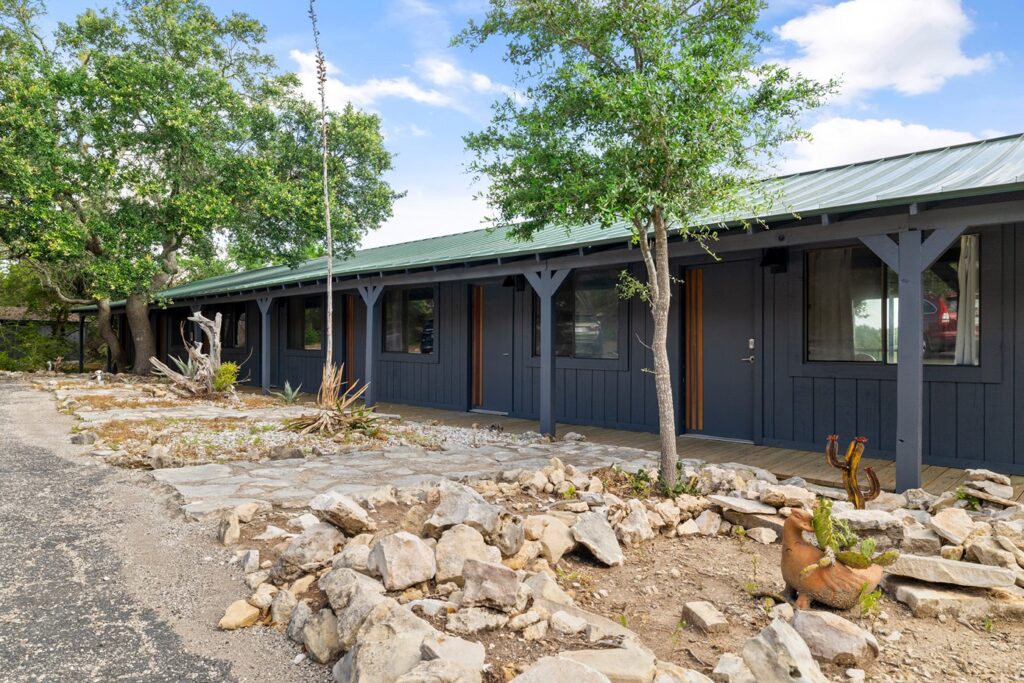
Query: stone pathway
(206, 489)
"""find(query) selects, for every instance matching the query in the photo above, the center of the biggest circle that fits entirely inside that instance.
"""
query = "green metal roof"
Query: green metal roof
(971, 169)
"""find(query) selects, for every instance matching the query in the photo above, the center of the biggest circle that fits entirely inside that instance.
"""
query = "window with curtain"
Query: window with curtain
(586, 316)
(853, 306)
(408, 320)
(305, 324)
(232, 326)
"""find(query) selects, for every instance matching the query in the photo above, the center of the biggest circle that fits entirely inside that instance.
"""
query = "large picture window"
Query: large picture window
(305, 324)
(408, 319)
(586, 316)
(853, 306)
(233, 327)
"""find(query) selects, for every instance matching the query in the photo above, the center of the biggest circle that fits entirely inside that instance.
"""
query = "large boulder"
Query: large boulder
(305, 552)
(510, 535)
(320, 636)
(402, 560)
(619, 665)
(560, 669)
(834, 639)
(593, 532)
(458, 544)
(466, 654)
(555, 539)
(386, 647)
(239, 614)
(779, 655)
(339, 585)
(459, 504)
(988, 550)
(342, 512)
(489, 584)
(438, 671)
(939, 570)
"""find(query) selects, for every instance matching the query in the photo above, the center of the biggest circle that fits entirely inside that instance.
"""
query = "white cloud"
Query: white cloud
(364, 94)
(837, 141)
(911, 46)
(427, 212)
(446, 74)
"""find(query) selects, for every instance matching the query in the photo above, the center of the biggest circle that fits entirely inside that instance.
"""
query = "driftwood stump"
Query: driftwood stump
(206, 364)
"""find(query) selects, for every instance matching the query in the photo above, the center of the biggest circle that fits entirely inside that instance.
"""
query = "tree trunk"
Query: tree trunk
(137, 310)
(107, 334)
(660, 279)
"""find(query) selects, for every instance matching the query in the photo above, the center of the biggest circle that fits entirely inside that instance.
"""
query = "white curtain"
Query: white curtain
(830, 318)
(967, 347)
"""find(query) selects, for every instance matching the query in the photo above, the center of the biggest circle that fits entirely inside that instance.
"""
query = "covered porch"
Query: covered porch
(782, 462)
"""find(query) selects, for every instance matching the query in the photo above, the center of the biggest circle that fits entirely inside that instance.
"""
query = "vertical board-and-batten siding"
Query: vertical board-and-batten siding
(972, 416)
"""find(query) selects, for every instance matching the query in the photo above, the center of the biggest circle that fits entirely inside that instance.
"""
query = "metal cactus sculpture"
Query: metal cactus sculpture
(848, 465)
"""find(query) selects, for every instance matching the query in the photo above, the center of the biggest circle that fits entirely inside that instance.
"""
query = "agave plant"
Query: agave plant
(338, 411)
(185, 367)
(288, 395)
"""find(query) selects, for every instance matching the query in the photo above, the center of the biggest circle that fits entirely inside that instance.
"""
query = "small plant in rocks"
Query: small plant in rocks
(288, 396)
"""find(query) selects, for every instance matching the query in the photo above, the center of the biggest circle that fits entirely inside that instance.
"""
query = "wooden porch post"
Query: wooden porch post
(545, 283)
(264, 304)
(909, 258)
(371, 296)
(81, 342)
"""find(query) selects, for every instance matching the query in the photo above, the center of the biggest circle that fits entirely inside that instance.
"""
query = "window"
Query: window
(408, 318)
(232, 327)
(305, 324)
(853, 306)
(586, 317)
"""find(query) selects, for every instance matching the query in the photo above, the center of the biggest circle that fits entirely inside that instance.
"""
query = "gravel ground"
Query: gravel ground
(104, 580)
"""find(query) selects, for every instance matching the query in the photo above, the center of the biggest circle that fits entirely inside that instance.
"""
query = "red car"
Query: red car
(940, 322)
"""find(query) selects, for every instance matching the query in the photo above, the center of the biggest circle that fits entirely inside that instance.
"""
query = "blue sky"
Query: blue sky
(917, 74)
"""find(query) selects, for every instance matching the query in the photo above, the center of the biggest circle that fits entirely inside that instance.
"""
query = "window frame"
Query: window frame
(993, 261)
(288, 307)
(405, 356)
(619, 364)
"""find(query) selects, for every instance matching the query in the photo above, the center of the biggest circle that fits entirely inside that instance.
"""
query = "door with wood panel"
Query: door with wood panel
(492, 366)
(721, 350)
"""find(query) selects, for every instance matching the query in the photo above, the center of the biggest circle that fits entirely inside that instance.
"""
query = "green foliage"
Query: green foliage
(227, 375)
(836, 536)
(25, 347)
(681, 486)
(867, 602)
(639, 483)
(570, 493)
(989, 625)
(289, 395)
(973, 502)
(156, 130)
(186, 367)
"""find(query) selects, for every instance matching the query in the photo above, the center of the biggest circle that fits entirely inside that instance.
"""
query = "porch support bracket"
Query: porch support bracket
(545, 283)
(264, 304)
(371, 297)
(909, 258)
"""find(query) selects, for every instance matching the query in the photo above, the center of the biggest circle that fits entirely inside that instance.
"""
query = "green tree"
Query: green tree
(158, 130)
(656, 112)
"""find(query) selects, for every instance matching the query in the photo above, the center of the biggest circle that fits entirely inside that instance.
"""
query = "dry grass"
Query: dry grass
(99, 402)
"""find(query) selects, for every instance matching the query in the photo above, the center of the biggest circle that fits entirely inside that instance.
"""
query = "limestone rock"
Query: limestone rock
(343, 512)
(750, 507)
(779, 655)
(635, 527)
(953, 524)
(787, 495)
(285, 452)
(619, 665)
(339, 585)
(239, 614)
(313, 547)
(594, 532)
(939, 570)
(537, 631)
(402, 560)
(919, 540)
(249, 561)
(560, 669)
(567, 624)
(868, 520)
(667, 672)
(300, 615)
(248, 511)
(732, 669)
(438, 671)
(387, 646)
(1004, 491)
(354, 556)
(705, 616)
(465, 653)
(555, 540)
(320, 636)
(543, 586)
(1010, 529)
(762, 535)
(83, 438)
(918, 499)
(281, 607)
(229, 532)
(527, 553)
(927, 600)
(263, 596)
(976, 475)
(489, 585)
(688, 528)
(475, 619)
(509, 537)
(460, 504)
(987, 550)
(458, 544)
(708, 523)
(834, 639)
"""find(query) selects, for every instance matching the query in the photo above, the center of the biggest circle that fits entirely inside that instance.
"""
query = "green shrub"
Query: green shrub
(227, 375)
(25, 347)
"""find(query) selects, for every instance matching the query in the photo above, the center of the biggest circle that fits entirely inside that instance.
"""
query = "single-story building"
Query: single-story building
(882, 299)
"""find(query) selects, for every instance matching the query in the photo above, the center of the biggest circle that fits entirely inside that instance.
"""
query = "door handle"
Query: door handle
(748, 359)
